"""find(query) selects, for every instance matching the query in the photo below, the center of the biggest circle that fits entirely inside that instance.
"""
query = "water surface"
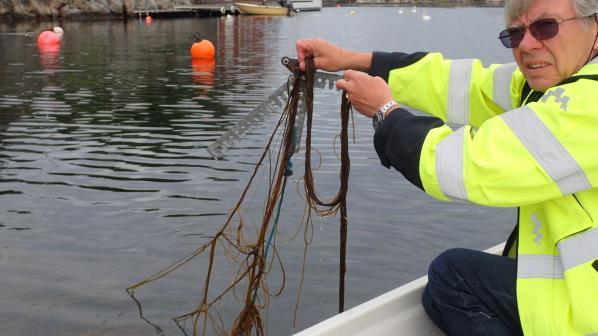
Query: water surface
(105, 177)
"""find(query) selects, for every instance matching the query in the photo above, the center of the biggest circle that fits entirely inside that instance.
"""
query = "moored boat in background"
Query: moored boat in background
(305, 5)
(253, 9)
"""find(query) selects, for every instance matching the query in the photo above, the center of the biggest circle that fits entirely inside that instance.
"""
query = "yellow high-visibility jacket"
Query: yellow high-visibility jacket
(513, 148)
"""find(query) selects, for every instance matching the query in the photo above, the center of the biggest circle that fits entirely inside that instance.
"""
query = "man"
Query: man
(529, 141)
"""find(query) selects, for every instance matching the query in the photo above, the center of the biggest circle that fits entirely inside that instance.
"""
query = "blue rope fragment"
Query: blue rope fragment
(288, 172)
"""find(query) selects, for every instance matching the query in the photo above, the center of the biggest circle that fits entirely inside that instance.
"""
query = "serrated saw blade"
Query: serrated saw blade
(273, 104)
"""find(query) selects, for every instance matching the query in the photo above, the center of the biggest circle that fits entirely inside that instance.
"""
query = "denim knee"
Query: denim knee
(442, 270)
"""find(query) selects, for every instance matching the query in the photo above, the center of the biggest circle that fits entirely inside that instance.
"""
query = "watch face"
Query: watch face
(377, 120)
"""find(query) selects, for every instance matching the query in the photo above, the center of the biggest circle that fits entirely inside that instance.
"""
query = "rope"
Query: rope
(288, 172)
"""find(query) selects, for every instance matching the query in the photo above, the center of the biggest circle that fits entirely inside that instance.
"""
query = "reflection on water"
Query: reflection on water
(49, 56)
(203, 74)
(105, 177)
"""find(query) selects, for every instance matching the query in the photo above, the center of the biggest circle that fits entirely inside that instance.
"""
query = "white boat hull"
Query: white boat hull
(398, 312)
(303, 5)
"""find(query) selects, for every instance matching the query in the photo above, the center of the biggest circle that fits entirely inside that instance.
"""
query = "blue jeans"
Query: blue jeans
(472, 293)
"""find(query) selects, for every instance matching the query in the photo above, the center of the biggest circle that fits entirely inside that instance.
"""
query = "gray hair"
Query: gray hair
(515, 8)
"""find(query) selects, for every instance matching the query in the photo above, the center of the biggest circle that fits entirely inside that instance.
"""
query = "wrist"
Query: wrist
(383, 112)
(390, 110)
(363, 61)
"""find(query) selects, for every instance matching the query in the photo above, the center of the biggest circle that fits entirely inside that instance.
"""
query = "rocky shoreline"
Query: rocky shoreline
(105, 9)
(46, 9)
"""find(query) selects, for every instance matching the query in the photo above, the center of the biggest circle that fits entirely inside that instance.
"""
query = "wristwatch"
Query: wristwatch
(379, 116)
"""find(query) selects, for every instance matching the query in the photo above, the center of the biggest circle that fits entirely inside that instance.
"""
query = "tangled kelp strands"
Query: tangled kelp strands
(248, 241)
(276, 102)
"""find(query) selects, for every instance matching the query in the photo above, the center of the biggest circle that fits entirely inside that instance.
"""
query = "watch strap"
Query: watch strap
(381, 113)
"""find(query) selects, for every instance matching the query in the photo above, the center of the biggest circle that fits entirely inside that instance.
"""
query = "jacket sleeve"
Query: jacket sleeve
(399, 140)
(540, 151)
(460, 92)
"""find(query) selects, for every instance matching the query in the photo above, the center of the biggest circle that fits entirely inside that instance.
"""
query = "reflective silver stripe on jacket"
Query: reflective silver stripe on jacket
(458, 91)
(579, 249)
(544, 266)
(547, 150)
(501, 87)
(449, 166)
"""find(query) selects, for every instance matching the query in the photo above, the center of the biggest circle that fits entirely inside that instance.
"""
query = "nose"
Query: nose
(529, 42)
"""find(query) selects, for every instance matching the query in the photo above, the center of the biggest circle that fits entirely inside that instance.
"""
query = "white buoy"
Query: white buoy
(400, 11)
(414, 10)
(58, 31)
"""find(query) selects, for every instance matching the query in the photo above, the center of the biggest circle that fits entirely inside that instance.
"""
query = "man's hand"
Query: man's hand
(366, 93)
(330, 57)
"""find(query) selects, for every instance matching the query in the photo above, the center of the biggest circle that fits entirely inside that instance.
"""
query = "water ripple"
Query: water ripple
(105, 175)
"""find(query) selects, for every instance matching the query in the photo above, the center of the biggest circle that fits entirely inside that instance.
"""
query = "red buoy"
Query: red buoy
(50, 37)
(48, 48)
(203, 49)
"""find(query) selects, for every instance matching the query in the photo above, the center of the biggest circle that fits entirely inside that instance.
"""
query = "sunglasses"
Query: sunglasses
(542, 29)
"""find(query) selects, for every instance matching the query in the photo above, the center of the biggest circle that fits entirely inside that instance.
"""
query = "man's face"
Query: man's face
(545, 63)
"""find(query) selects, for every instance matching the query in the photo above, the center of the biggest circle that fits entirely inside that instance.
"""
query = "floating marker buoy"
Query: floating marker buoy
(352, 12)
(50, 37)
(203, 64)
(48, 48)
(203, 49)
(148, 19)
(338, 5)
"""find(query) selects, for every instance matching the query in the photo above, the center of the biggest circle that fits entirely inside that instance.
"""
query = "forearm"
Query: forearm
(353, 60)
(330, 57)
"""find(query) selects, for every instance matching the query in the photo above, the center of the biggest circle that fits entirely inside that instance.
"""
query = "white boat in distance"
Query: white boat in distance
(398, 312)
(305, 5)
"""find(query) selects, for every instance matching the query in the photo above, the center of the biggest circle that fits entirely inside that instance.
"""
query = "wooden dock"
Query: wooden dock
(200, 10)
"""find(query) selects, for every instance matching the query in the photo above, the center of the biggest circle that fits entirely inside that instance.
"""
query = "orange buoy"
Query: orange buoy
(50, 37)
(48, 48)
(148, 19)
(203, 49)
